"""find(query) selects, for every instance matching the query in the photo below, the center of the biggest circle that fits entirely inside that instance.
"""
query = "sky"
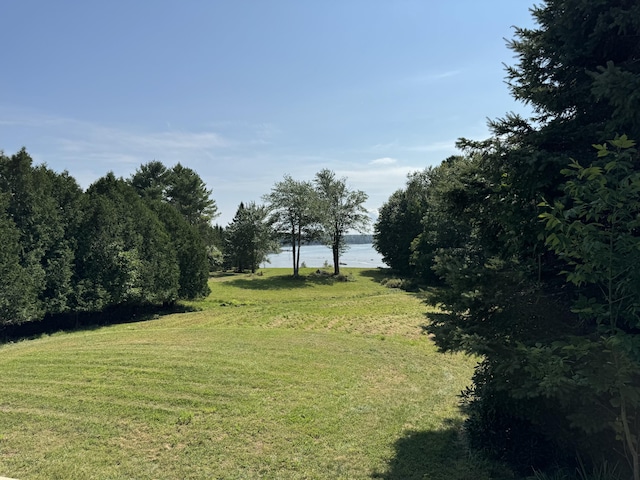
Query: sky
(245, 92)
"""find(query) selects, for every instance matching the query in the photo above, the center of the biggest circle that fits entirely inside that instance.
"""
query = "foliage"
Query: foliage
(542, 381)
(579, 69)
(400, 222)
(187, 192)
(294, 214)
(124, 252)
(151, 180)
(66, 251)
(191, 253)
(402, 283)
(249, 238)
(183, 189)
(339, 210)
(16, 299)
(44, 208)
(597, 235)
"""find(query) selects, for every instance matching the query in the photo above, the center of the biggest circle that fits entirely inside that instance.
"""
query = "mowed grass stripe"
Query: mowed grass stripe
(195, 396)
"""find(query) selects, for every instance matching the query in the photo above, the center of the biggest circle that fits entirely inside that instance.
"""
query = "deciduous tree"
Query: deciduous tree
(595, 376)
(339, 211)
(294, 214)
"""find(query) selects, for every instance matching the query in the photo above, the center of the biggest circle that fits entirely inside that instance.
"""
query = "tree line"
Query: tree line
(146, 240)
(141, 241)
(533, 236)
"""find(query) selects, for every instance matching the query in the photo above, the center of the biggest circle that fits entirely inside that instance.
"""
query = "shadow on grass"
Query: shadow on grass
(435, 455)
(89, 320)
(284, 282)
(377, 274)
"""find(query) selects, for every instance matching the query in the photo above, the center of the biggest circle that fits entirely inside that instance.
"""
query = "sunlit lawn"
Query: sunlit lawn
(272, 378)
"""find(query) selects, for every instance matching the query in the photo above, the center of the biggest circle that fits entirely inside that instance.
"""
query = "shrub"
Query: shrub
(344, 278)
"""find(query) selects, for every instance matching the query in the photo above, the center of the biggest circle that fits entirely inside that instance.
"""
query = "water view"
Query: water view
(360, 256)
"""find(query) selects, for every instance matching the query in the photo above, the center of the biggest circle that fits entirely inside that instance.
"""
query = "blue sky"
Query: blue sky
(245, 92)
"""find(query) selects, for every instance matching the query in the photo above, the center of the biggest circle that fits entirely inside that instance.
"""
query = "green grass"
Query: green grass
(273, 377)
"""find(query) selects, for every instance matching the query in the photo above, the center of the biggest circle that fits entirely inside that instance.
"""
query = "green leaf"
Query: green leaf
(622, 142)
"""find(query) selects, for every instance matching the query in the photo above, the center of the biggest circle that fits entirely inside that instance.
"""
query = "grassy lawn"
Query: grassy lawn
(272, 377)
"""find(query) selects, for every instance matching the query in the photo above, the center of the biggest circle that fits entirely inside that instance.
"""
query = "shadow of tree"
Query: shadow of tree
(436, 455)
(283, 282)
(378, 274)
(68, 322)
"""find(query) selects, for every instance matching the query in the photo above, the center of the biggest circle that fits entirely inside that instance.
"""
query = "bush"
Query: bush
(402, 283)
(391, 282)
(345, 278)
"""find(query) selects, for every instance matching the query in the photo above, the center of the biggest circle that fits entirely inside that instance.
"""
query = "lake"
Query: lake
(358, 255)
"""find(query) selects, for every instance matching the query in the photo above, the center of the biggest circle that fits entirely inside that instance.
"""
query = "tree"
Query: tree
(17, 298)
(400, 222)
(151, 180)
(294, 214)
(44, 208)
(182, 188)
(456, 199)
(124, 253)
(249, 237)
(578, 70)
(191, 252)
(595, 376)
(188, 193)
(340, 210)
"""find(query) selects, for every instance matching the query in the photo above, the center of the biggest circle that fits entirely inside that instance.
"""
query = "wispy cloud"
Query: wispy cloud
(76, 135)
(429, 77)
(90, 138)
(383, 147)
(389, 151)
(384, 161)
(226, 156)
(441, 146)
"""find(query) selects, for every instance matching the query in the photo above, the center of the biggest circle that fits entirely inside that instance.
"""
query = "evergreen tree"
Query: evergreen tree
(151, 180)
(184, 190)
(44, 206)
(579, 71)
(190, 251)
(188, 193)
(249, 238)
(17, 299)
(124, 252)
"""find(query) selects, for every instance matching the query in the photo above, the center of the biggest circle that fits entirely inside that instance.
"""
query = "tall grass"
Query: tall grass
(273, 377)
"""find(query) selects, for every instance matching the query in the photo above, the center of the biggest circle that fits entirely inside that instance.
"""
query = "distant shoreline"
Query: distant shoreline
(355, 239)
(319, 255)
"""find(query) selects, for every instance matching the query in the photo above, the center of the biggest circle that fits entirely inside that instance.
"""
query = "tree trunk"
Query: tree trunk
(335, 247)
(629, 439)
(299, 240)
(293, 249)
